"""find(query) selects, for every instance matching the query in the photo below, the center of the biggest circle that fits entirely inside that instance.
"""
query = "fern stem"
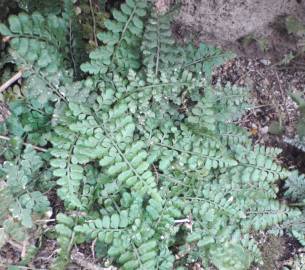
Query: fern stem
(198, 61)
(300, 204)
(36, 38)
(71, 46)
(206, 200)
(137, 254)
(110, 136)
(158, 47)
(187, 152)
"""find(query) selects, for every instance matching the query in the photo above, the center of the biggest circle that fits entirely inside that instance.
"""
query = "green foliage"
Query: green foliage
(295, 194)
(19, 176)
(295, 186)
(45, 7)
(121, 40)
(65, 238)
(22, 200)
(35, 46)
(145, 147)
(158, 41)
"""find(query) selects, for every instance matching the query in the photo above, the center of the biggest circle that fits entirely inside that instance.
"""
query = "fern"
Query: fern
(296, 142)
(22, 200)
(295, 186)
(121, 42)
(44, 7)
(157, 41)
(18, 177)
(202, 59)
(144, 146)
(66, 239)
(35, 46)
(295, 193)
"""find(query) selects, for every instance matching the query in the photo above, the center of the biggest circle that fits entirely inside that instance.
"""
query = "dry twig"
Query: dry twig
(8, 83)
(34, 146)
(94, 23)
(79, 259)
(6, 39)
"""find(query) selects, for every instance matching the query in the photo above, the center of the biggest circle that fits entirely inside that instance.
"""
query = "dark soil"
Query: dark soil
(270, 86)
(276, 251)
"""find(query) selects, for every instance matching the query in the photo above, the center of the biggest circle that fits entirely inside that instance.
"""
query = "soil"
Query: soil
(229, 20)
(228, 23)
(270, 86)
(275, 251)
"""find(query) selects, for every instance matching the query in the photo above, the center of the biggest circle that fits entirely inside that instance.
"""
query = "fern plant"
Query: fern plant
(295, 195)
(145, 147)
(22, 202)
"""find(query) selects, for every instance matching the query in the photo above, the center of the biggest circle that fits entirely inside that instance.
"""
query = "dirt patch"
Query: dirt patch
(276, 250)
(225, 22)
(270, 86)
(228, 20)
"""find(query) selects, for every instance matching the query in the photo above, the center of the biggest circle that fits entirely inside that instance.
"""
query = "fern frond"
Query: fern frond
(66, 239)
(296, 142)
(231, 134)
(295, 185)
(157, 46)
(121, 40)
(36, 44)
(19, 176)
(203, 59)
(145, 148)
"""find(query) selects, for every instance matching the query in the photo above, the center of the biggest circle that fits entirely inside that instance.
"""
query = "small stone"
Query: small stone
(264, 130)
(265, 62)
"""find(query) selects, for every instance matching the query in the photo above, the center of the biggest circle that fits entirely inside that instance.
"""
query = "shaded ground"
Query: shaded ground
(225, 21)
(230, 22)
(270, 86)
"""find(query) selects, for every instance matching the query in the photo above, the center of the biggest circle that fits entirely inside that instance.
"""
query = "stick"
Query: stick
(182, 221)
(6, 39)
(7, 84)
(80, 260)
(94, 23)
(34, 146)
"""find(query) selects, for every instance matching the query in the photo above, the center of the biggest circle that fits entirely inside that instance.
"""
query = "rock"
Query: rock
(229, 20)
